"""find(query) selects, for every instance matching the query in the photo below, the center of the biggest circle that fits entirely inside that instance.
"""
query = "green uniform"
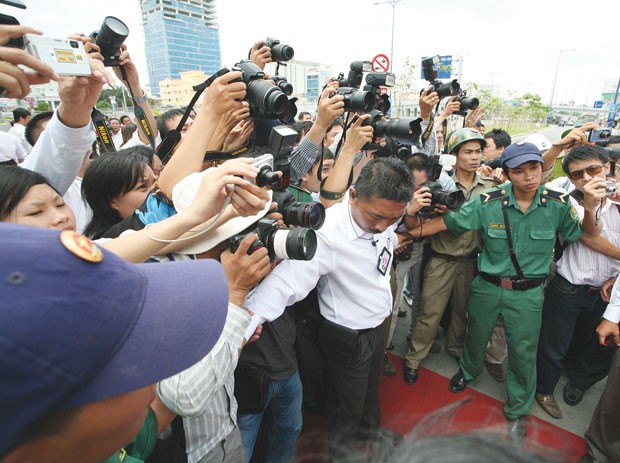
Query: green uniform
(533, 236)
(447, 280)
(139, 449)
(300, 194)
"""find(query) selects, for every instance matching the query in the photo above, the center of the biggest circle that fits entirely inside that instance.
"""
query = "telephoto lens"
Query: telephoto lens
(291, 243)
(445, 90)
(405, 130)
(109, 39)
(299, 214)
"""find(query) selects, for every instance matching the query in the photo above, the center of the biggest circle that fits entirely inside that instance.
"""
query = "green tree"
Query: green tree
(42, 106)
(405, 85)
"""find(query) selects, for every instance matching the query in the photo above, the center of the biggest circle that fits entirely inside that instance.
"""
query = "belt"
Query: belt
(512, 284)
(591, 290)
(450, 258)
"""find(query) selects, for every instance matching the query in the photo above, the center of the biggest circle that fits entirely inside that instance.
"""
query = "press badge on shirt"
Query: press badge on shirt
(383, 262)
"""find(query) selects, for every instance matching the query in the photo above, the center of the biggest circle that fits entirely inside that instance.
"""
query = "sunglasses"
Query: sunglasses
(591, 170)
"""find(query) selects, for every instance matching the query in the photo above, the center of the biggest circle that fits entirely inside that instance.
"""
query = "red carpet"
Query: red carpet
(404, 406)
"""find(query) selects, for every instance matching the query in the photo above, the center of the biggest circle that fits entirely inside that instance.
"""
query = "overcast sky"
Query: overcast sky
(512, 45)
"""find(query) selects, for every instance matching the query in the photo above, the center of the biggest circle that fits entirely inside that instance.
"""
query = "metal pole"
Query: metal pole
(392, 46)
(555, 78)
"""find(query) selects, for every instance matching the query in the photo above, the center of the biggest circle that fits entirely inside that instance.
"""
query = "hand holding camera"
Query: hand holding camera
(595, 190)
(260, 54)
(577, 137)
(422, 198)
(358, 134)
(14, 81)
(428, 99)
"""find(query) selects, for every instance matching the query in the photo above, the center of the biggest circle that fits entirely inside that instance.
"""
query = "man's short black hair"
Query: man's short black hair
(161, 121)
(582, 153)
(417, 161)
(20, 113)
(385, 178)
(33, 128)
(500, 137)
(301, 115)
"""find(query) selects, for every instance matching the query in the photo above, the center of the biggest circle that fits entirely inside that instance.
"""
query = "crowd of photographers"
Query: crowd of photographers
(248, 263)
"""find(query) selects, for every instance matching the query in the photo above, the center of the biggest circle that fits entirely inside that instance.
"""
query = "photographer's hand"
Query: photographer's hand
(474, 116)
(260, 54)
(14, 81)
(239, 134)
(330, 107)
(448, 109)
(243, 270)
(223, 138)
(422, 197)
(428, 99)
(576, 137)
(223, 95)
(249, 199)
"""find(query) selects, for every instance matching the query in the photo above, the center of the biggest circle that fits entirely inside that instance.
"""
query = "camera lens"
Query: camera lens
(286, 87)
(110, 37)
(405, 130)
(281, 52)
(267, 177)
(294, 243)
(469, 103)
(267, 98)
(73, 44)
(309, 215)
(357, 100)
(453, 200)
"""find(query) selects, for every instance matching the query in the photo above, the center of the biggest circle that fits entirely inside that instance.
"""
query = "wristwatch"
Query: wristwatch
(141, 99)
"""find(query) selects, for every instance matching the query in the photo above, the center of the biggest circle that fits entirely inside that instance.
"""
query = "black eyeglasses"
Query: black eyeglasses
(591, 170)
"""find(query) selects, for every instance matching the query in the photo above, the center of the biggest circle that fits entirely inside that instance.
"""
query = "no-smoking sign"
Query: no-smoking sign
(380, 63)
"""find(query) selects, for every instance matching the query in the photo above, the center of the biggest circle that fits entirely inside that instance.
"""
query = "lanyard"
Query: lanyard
(511, 248)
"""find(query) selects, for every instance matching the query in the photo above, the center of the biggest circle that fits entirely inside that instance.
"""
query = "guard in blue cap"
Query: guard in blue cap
(84, 337)
(518, 224)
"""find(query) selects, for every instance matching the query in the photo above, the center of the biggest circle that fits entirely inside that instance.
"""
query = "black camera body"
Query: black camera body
(265, 99)
(429, 69)
(109, 39)
(467, 103)
(294, 243)
(453, 200)
(279, 51)
(374, 82)
(356, 100)
(355, 75)
(405, 130)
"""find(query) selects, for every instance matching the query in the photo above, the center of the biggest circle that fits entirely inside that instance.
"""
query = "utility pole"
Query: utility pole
(393, 3)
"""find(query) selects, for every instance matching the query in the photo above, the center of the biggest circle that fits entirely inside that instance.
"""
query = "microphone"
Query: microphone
(374, 243)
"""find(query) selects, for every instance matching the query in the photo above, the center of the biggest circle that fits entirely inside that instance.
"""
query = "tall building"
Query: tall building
(307, 78)
(180, 35)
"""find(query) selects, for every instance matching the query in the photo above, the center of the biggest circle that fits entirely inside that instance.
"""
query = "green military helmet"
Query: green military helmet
(460, 136)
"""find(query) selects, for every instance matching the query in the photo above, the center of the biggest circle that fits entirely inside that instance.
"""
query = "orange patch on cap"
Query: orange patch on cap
(81, 246)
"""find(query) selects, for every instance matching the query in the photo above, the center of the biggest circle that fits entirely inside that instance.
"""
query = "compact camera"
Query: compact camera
(611, 187)
(599, 135)
(66, 57)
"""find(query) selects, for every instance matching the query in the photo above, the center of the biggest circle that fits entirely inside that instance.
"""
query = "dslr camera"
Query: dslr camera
(467, 103)
(405, 130)
(374, 82)
(279, 51)
(429, 69)
(293, 243)
(355, 75)
(109, 38)
(266, 99)
(453, 200)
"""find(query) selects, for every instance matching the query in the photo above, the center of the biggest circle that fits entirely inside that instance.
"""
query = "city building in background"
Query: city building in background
(179, 92)
(180, 35)
(308, 78)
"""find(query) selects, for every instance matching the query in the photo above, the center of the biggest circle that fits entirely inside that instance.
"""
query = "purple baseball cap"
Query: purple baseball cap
(78, 324)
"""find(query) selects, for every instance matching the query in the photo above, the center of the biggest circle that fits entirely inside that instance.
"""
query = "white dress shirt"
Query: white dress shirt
(11, 149)
(612, 312)
(351, 290)
(117, 139)
(579, 264)
(19, 132)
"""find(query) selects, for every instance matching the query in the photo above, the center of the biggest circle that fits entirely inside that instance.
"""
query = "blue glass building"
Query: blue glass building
(180, 35)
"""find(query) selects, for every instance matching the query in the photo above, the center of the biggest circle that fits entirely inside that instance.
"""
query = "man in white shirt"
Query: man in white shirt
(11, 151)
(603, 434)
(116, 132)
(21, 117)
(351, 270)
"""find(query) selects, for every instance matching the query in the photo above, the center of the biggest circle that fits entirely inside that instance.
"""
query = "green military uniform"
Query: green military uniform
(447, 280)
(139, 449)
(300, 194)
(533, 237)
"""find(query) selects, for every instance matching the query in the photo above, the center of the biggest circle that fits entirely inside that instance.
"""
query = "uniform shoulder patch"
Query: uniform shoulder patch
(555, 195)
(492, 194)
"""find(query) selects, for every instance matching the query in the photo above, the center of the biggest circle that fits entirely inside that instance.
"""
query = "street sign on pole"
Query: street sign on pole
(598, 104)
(444, 68)
(380, 63)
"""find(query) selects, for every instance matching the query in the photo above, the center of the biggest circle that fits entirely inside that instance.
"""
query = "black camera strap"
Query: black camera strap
(511, 249)
(173, 137)
(429, 130)
(139, 112)
(103, 133)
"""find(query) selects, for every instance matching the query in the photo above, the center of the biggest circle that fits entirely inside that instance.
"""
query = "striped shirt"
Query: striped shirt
(204, 393)
(579, 264)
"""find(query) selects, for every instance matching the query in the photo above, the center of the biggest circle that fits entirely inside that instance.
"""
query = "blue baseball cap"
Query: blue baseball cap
(518, 153)
(78, 324)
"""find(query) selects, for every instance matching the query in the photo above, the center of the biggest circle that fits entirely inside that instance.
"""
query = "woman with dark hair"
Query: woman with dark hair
(116, 185)
(127, 130)
(28, 198)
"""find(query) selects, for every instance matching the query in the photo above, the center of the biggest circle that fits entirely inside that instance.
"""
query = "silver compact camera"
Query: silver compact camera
(65, 56)
(611, 187)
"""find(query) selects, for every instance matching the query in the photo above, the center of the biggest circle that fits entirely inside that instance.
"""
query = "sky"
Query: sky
(507, 45)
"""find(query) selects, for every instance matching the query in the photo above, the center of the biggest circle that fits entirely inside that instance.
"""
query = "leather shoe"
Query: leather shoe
(496, 371)
(572, 395)
(435, 348)
(389, 369)
(517, 428)
(410, 375)
(548, 404)
(458, 383)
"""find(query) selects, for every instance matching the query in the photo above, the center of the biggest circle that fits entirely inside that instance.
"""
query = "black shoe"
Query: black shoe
(458, 383)
(410, 375)
(402, 313)
(572, 395)
(517, 428)
(390, 347)
(389, 369)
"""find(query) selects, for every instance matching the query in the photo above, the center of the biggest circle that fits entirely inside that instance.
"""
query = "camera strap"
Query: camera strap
(429, 130)
(139, 112)
(103, 133)
(511, 249)
(173, 137)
